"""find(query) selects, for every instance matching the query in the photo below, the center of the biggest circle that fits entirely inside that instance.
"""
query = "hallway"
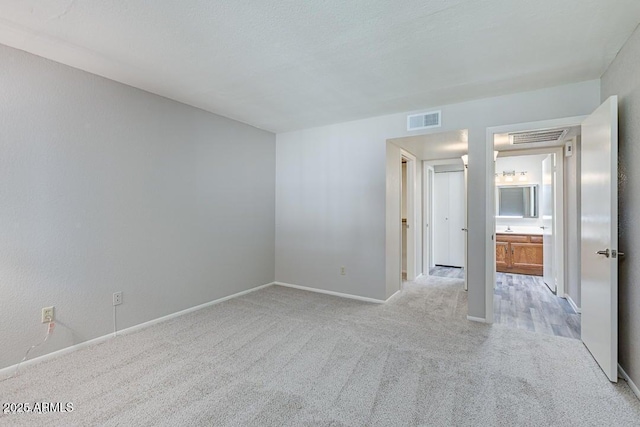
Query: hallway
(525, 302)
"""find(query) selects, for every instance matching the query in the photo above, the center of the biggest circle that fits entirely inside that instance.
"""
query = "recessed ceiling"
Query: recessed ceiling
(295, 64)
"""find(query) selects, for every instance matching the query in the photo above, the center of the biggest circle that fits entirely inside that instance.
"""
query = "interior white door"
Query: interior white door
(466, 234)
(599, 236)
(456, 219)
(441, 219)
(427, 197)
(449, 219)
(546, 213)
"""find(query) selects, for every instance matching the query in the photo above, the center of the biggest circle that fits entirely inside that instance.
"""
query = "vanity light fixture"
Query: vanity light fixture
(508, 175)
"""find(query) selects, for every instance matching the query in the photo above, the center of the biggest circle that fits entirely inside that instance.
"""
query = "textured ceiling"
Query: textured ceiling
(295, 64)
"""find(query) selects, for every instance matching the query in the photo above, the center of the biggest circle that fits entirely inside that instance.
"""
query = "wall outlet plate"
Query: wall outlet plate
(47, 314)
(117, 298)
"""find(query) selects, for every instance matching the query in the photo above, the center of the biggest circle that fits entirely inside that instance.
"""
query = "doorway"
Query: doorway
(597, 238)
(530, 238)
(445, 206)
(411, 175)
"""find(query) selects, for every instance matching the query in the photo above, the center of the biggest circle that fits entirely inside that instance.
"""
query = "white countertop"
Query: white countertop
(501, 229)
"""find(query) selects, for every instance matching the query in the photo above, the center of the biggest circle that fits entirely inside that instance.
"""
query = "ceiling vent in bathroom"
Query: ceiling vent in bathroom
(531, 137)
(424, 120)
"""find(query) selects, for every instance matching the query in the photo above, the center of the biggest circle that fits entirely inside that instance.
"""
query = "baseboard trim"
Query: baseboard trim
(573, 304)
(632, 385)
(10, 369)
(394, 294)
(144, 325)
(335, 294)
(477, 319)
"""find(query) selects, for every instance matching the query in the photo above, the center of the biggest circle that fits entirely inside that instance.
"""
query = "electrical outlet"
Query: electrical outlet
(117, 298)
(343, 271)
(47, 314)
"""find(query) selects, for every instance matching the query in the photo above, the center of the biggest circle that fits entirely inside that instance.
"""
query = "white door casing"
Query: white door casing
(599, 236)
(546, 213)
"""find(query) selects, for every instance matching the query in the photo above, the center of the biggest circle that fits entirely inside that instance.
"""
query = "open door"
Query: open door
(427, 198)
(465, 229)
(599, 236)
(546, 213)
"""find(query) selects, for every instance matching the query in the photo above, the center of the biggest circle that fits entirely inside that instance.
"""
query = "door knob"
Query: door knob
(464, 229)
(605, 253)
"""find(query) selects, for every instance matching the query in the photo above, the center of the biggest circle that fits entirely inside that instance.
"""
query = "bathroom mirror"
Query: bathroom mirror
(518, 201)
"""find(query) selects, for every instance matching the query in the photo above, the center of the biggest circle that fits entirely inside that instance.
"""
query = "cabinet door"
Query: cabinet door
(502, 256)
(526, 258)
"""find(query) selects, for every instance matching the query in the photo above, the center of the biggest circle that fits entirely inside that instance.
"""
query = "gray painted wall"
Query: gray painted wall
(107, 188)
(332, 189)
(623, 79)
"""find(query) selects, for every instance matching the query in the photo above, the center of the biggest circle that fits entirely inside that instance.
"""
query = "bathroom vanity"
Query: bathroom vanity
(519, 253)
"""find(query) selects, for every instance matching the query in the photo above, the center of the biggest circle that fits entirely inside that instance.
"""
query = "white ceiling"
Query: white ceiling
(295, 64)
(436, 146)
(501, 141)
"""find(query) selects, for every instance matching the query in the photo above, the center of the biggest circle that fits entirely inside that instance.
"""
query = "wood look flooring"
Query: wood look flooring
(525, 302)
(451, 272)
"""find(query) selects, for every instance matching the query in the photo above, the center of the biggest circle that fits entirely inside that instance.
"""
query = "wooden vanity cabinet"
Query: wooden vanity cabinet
(519, 254)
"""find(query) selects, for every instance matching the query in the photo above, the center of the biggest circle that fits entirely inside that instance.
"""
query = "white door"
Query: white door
(449, 219)
(441, 219)
(546, 213)
(599, 236)
(465, 230)
(427, 250)
(456, 219)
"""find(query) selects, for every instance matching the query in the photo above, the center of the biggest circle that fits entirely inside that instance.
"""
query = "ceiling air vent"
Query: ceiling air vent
(546, 135)
(424, 120)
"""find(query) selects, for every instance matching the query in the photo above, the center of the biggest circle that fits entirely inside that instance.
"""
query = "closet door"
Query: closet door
(456, 219)
(441, 219)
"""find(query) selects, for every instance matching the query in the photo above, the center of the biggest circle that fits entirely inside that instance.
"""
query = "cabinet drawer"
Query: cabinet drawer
(536, 239)
(516, 238)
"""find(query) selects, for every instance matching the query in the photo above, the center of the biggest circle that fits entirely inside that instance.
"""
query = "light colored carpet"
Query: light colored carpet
(281, 356)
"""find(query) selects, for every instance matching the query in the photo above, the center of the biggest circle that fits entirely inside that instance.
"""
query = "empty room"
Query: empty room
(319, 213)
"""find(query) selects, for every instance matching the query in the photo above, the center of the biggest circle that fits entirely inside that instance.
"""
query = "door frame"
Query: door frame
(428, 202)
(412, 239)
(490, 226)
(428, 176)
(558, 210)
